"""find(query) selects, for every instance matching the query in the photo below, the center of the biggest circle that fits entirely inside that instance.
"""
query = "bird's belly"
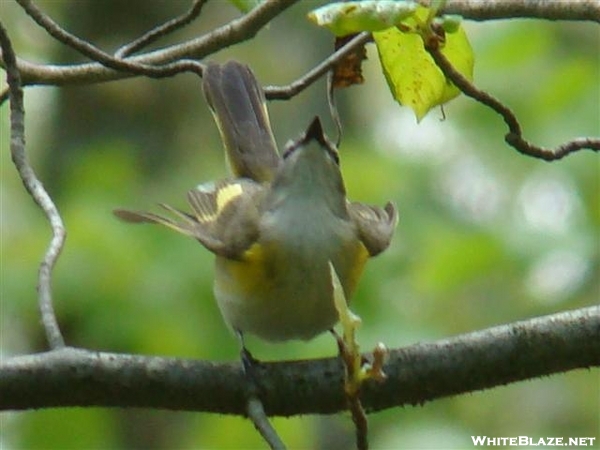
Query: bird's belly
(286, 293)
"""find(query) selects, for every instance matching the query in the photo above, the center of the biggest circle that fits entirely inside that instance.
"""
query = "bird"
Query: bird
(278, 221)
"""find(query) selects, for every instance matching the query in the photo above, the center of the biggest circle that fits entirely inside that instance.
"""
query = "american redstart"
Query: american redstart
(278, 223)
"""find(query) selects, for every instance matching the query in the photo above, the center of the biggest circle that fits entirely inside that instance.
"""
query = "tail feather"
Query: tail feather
(238, 105)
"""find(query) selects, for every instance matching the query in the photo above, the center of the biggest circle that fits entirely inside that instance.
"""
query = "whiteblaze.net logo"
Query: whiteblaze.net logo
(488, 441)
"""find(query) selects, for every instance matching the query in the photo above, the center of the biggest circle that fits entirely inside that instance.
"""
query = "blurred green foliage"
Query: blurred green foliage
(486, 236)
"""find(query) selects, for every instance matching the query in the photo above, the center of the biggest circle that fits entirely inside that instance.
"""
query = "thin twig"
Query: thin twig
(352, 391)
(333, 110)
(515, 135)
(361, 425)
(36, 190)
(292, 89)
(162, 30)
(256, 413)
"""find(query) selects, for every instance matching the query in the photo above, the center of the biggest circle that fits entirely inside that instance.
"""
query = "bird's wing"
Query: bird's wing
(375, 225)
(224, 216)
(228, 212)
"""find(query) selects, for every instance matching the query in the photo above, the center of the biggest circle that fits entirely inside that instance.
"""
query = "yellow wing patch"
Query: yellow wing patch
(209, 200)
(227, 194)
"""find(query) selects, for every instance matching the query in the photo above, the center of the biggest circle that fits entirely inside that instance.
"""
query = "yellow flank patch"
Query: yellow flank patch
(227, 194)
(250, 271)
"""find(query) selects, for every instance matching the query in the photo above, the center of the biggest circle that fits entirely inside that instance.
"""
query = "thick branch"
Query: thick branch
(419, 373)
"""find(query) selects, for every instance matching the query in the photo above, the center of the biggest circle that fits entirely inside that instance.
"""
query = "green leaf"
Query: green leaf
(349, 321)
(343, 18)
(412, 75)
(245, 5)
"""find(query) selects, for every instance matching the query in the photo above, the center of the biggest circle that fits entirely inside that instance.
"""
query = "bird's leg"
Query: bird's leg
(249, 365)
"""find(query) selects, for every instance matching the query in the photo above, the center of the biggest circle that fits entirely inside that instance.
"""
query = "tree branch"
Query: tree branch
(524, 9)
(236, 31)
(247, 26)
(94, 53)
(36, 190)
(416, 374)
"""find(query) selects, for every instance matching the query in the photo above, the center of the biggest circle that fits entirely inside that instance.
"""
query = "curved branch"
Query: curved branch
(524, 9)
(416, 374)
(514, 137)
(36, 190)
(236, 31)
(94, 53)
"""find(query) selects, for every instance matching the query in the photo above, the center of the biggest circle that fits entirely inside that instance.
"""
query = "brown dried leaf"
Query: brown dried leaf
(348, 71)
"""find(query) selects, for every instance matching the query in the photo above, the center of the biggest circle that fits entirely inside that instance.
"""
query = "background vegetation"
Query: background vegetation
(486, 236)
